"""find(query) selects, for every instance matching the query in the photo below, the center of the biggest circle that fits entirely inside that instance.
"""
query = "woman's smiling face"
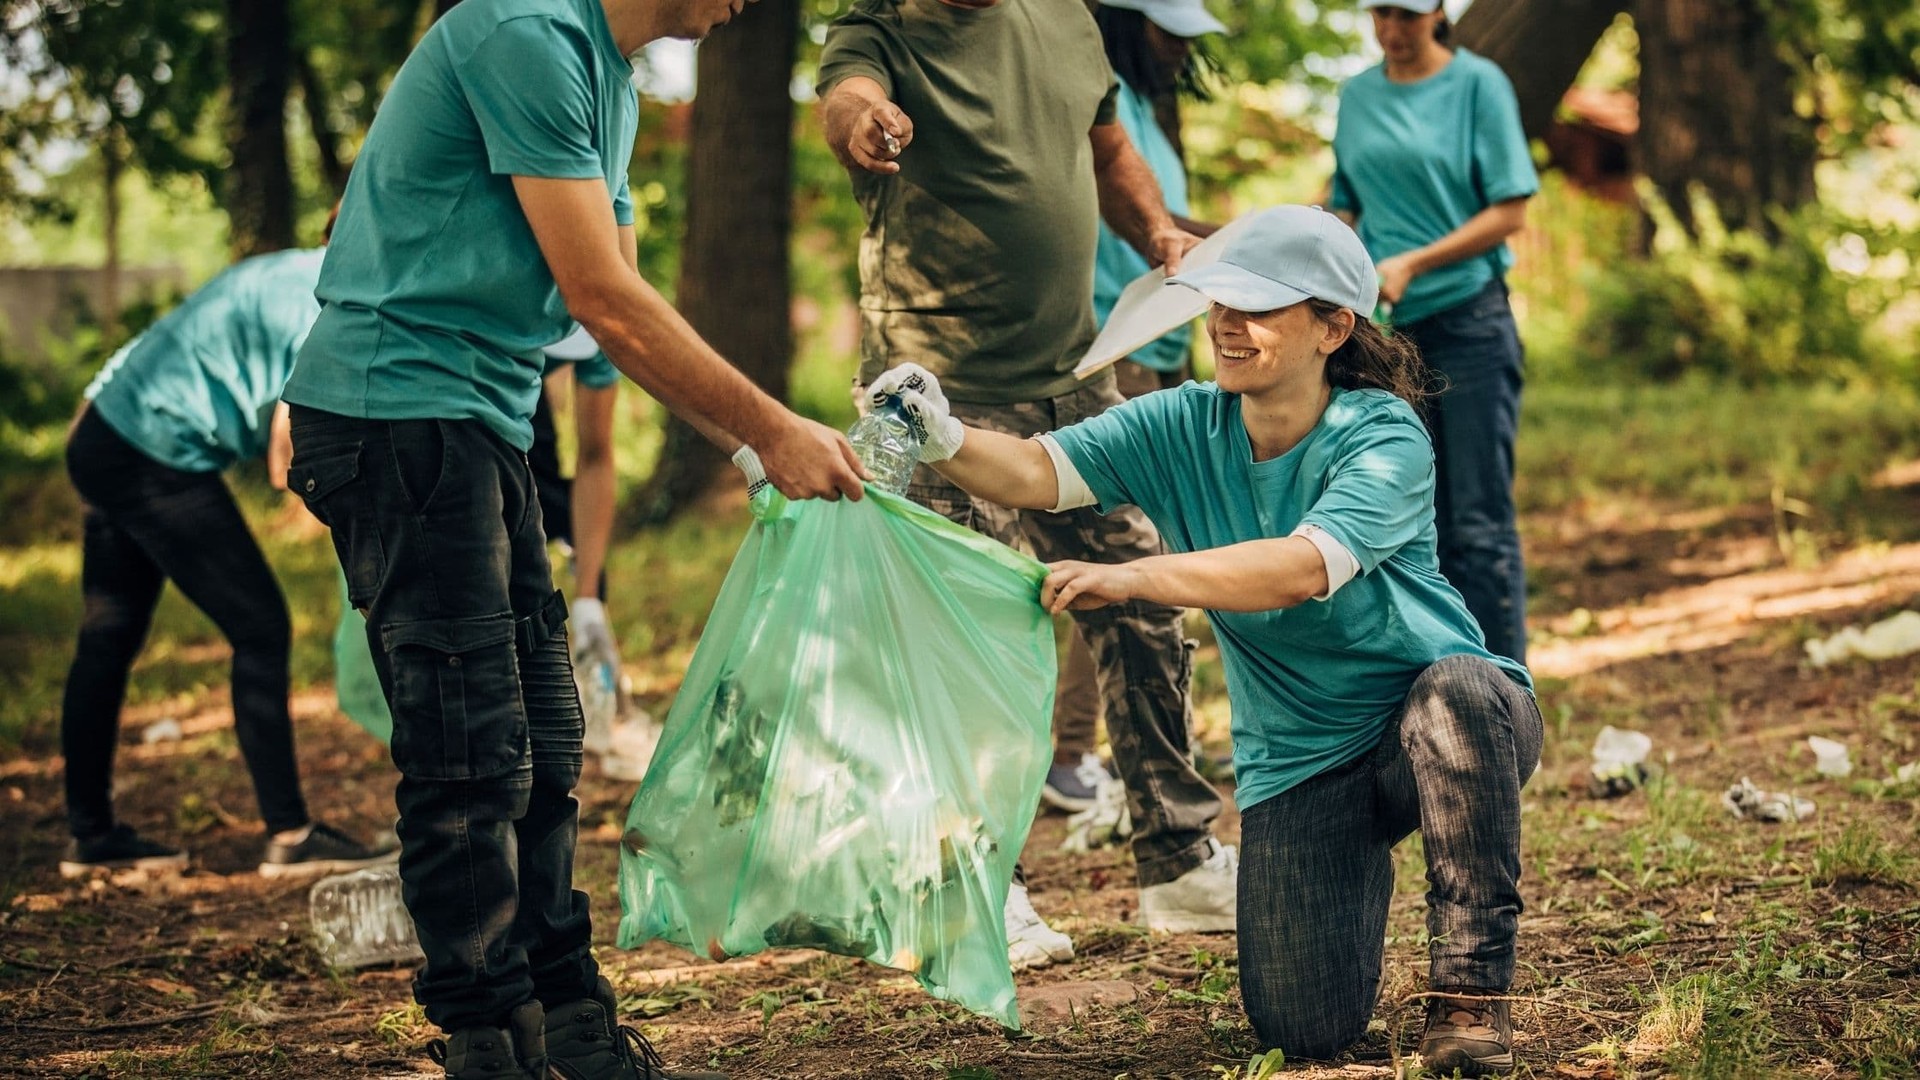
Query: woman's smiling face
(1254, 352)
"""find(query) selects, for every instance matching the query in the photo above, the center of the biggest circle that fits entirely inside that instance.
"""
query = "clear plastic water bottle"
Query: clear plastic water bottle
(359, 920)
(600, 702)
(887, 446)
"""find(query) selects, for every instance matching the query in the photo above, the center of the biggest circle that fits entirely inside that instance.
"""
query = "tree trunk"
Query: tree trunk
(1716, 109)
(734, 284)
(259, 182)
(314, 97)
(1540, 44)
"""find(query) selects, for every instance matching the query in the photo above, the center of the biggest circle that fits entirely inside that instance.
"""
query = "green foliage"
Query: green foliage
(1806, 304)
(1858, 61)
(135, 75)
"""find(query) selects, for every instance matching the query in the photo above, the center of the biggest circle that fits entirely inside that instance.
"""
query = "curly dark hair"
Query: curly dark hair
(1371, 359)
(1125, 33)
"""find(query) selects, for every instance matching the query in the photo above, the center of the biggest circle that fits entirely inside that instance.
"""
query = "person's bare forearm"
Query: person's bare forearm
(1003, 469)
(1477, 235)
(1131, 202)
(1258, 575)
(594, 487)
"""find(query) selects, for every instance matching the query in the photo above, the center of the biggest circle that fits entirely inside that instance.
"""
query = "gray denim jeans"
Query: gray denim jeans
(1316, 865)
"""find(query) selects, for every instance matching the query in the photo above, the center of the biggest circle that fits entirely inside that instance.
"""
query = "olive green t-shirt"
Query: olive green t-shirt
(977, 261)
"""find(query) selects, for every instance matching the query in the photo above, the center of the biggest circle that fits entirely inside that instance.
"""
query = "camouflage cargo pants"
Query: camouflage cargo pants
(1145, 661)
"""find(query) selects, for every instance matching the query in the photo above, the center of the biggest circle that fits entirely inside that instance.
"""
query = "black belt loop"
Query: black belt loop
(533, 631)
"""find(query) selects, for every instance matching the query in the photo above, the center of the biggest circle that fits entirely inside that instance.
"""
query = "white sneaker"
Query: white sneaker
(1031, 943)
(1200, 901)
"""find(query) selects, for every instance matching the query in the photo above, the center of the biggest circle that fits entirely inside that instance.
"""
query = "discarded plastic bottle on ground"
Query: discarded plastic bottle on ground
(887, 446)
(600, 703)
(359, 920)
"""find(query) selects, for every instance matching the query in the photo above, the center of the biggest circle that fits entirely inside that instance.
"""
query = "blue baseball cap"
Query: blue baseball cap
(1285, 255)
(1181, 18)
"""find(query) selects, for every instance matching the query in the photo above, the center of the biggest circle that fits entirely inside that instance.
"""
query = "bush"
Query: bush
(1814, 300)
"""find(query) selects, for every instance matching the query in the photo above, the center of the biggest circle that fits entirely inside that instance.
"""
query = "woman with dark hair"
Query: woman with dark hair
(1158, 49)
(1296, 497)
(1432, 167)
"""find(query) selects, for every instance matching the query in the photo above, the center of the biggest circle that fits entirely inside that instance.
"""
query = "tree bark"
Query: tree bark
(1540, 44)
(259, 182)
(313, 97)
(1716, 108)
(734, 284)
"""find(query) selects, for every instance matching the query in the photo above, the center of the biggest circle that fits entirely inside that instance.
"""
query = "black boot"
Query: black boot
(515, 1052)
(586, 1042)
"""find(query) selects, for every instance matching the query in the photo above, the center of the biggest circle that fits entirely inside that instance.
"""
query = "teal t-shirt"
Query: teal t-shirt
(1415, 160)
(596, 372)
(1312, 687)
(197, 390)
(435, 297)
(1115, 262)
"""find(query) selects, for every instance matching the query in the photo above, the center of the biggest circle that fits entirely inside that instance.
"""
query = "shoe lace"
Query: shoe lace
(1463, 1012)
(636, 1048)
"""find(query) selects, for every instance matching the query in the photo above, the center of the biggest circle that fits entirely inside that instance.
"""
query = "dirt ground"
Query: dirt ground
(1662, 936)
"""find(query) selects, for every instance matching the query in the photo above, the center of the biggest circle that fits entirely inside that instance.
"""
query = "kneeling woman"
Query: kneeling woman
(1296, 494)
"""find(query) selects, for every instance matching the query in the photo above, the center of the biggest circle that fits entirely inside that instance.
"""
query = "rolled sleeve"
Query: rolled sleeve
(1502, 160)
(1379, 494)
(853, 48)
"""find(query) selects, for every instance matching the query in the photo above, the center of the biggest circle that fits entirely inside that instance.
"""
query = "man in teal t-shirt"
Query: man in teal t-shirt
(488, 210)
(193, 395)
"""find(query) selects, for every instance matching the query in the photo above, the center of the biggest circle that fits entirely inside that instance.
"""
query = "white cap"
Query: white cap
(1181, 18)
(1286, 255)
(1418, 7)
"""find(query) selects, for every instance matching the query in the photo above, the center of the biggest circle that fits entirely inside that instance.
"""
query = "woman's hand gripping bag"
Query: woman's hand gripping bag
(855, 756)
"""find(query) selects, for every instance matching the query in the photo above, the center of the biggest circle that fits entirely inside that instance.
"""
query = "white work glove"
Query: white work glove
(925, 406)
(592, 638)
(748, 463)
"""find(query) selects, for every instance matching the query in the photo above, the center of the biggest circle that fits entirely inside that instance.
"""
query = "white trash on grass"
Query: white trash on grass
(1619, 762)
(1896, 635)
(167, 730)
(1106, 822)
(1830, 758)
(1749, 803)
(630, 745)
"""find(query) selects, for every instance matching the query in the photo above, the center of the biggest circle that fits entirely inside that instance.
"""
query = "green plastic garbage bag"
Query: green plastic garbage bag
(856, 754)
(354, 679)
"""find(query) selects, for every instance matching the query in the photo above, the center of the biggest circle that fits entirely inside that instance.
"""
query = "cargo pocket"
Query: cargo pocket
(313, 477)
(456, 694)
(329, 482)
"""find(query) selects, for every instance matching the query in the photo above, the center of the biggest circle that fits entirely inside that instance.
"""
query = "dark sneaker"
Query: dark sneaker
(1469, 1035)
(326, 850)
(119, 848)
(585, 1041)
(1073, 787)
(515, 1052)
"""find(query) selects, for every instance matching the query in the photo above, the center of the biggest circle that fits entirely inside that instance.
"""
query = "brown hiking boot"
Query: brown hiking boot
(1467, 1034)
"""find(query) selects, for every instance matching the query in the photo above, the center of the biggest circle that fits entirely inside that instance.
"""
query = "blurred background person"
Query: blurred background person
(1431, 166)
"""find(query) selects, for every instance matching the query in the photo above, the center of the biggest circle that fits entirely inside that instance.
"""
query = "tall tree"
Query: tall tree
(1540, 44)
(1717, 109)
(259, 181)
(734, 284)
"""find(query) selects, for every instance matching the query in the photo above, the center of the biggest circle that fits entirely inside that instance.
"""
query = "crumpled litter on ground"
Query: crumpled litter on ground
(630, 745)
(1830, 758)
(1896, 635)
(1106, 822)
(1619, 762)
(165, 730)
(1749, 803)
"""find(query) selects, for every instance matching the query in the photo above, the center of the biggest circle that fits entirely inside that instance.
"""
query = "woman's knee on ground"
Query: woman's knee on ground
(1302, 1025)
